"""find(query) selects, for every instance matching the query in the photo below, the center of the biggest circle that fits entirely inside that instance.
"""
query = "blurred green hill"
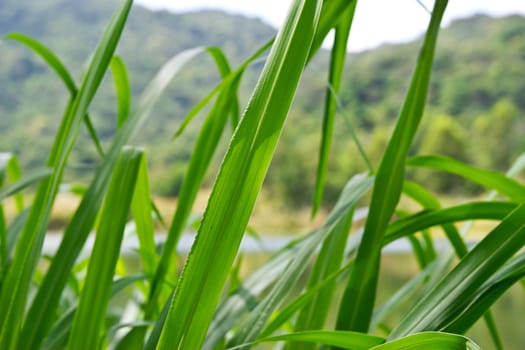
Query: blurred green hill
(477, 92)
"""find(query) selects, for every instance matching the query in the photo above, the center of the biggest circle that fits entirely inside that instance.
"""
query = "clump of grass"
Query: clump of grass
(207, 305)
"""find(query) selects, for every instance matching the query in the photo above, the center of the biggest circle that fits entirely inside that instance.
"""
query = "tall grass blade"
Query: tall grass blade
(358, 302)
(337, 63)
(15, 289)
(43, 307)
(341, 339)
(10, 169)
(88, 323)
(430, 341)
(239, 180)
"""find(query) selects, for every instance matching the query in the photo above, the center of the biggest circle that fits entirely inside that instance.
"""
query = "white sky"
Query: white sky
(376, 21)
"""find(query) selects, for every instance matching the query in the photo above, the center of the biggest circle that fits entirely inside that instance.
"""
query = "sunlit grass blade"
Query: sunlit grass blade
(10, 169)
(122, 87)
(430, 341)
(358, 302)
(337, 63)
(58, 335)
(341, 339)
(88, 323)
(27, 254)
(43, 307)
(436, 309)
(205, 147)
(238, 183)
(142, 215)
(60, 69)
(487, 178)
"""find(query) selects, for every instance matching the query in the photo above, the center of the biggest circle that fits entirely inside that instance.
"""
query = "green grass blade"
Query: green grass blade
(337, 63)
(60, 69)
(142, 215)
(43, 307)
(88, 323)
(123, 89)
(489, 179)
(437, 308)
(430, 341)
(15, 290)
(10, 168)
(358, 302)
(340, 339)
(238, 183)
(205, 147)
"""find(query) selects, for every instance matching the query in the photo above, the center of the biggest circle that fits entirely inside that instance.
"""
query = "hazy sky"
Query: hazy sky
(376, 21)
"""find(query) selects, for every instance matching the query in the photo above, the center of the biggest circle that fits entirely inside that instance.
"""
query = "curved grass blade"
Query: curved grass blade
(358, 302)
(15, 289)
(60, 69)
(43, 307)
(337, 63)
(438, 308)
(28, 180)
(340, 339)
(10, 168)
(238, 183)
(487, 178)
(123, 89)
(430, 341)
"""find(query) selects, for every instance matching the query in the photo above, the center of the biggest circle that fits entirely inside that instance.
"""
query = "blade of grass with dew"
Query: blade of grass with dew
(88, 323)
(430, 341)
(205, 147)
(337, 63)
(487, 178)
(15, 290)
(358, 301)
(142, 215)
(45, 302)
(238, 183)
(59, 334)
(436, 309)
(338, 220)
(60, 69)
(341, 339)
(122, 88)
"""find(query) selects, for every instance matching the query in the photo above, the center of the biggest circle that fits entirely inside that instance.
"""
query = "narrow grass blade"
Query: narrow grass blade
(15, 290)
(10, 169)
(340, 339)
(359, 298)
(437, 308)
(60, 69)
(15, 188)
(142, 215)
(122, 87)
(430, 341)
(487, 178)
(337, 63)
(238, 183)
(43, 307)
(88, 323)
